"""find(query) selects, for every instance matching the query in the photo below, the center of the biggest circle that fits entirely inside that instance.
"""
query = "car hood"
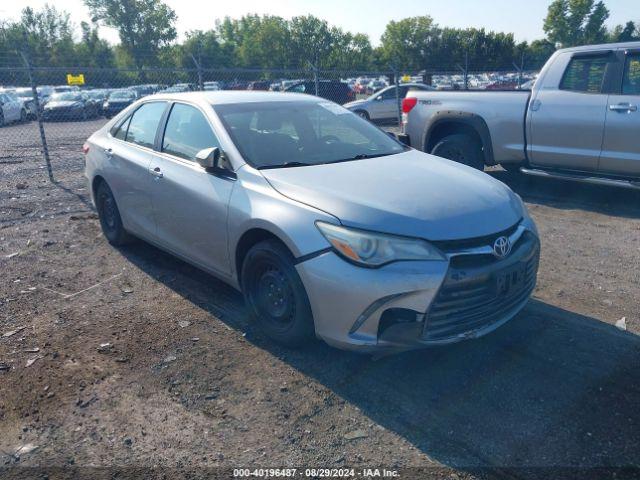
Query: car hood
(51, 105)
(354, 104)
(412, 194)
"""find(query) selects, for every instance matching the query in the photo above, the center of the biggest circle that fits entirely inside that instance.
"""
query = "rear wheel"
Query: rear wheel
(109, 215)
(23, 116)
(460, 148)
(275, 294)
(1, 118)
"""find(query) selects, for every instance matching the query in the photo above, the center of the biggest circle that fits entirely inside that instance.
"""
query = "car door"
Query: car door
(127, 158)
(621, 146)
(567, 115)
(190, 203)
(382, 104)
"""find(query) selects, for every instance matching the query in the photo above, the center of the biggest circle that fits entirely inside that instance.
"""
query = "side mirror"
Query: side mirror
(209, 158)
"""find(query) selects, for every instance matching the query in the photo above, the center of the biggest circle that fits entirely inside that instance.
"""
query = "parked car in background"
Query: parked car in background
(333, 90)
(384, 105)
(287, 197)
(117, 101)
(579, 122)
(25, 95)
(211, 86)
(177, 88)
(12, 109)
(259, 85)
(99, 96)
(70, 106)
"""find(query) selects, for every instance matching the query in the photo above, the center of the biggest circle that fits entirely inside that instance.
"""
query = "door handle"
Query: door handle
(156, 172)
(623, 107)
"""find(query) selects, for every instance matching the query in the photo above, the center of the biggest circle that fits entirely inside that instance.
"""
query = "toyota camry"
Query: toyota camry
(330, 227)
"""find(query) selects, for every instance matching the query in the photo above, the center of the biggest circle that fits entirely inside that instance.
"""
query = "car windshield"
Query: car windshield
(281, 134)
(66, 97)
(123, 95)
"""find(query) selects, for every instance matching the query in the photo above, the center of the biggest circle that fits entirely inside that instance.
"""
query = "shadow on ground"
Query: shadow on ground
(614, 201)
(551, 388)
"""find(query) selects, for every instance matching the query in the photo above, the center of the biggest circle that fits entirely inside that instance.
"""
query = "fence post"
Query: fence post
(199, 68)
(396, 78)
(466, 70)
(36, 100)
(316, 81)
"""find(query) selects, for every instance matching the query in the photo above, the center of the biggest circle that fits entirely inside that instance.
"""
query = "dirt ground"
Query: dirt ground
(132, 359)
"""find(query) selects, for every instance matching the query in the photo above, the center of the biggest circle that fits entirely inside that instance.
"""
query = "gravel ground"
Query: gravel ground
(183, 382)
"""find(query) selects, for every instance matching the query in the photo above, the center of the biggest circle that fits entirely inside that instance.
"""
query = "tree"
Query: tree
(576, 22)
(312, 41)
(625, 33)
(144, 26)
(408, 43)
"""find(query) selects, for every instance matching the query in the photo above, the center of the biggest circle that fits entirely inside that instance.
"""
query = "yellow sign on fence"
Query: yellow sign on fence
(75, 79)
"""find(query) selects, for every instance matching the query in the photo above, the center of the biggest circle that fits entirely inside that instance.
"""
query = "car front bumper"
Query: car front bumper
(408, 305)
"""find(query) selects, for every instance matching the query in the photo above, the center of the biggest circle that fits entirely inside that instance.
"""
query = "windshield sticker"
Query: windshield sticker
(334, 108)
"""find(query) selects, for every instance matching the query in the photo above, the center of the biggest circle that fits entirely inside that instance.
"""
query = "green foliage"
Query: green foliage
(144, 26)
(576, 22)
(147, 30)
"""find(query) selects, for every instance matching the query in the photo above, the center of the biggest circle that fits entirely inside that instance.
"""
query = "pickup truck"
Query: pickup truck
(580, 121)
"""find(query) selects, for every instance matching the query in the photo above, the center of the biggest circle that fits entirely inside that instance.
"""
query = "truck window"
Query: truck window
(631, 80)
(585, 74)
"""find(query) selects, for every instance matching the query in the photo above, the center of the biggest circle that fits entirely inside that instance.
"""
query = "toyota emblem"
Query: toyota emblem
(501, 247)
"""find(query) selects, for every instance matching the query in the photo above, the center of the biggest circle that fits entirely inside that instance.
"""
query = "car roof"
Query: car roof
(235, 96)
(602, 46)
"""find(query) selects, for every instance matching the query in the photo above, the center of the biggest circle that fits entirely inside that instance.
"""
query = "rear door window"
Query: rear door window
(144, 122)
(631, 79)
(187, 132)
(585, 74)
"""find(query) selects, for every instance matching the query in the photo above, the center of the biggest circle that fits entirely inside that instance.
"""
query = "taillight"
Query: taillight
(85, 148)
(408, 104)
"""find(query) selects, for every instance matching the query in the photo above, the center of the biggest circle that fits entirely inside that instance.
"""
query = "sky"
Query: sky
(522, 17)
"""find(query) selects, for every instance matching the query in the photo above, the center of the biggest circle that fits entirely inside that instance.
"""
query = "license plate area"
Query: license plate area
(510, 280)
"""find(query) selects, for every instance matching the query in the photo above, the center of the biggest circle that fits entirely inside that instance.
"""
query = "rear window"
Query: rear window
(585, 74)
(631, 81)
(144, 124)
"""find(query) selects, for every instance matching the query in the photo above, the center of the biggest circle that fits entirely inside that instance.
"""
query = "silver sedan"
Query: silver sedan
(330, 227)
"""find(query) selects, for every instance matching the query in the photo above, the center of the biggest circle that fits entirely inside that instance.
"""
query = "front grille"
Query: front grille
(448, 246)
(479, 293)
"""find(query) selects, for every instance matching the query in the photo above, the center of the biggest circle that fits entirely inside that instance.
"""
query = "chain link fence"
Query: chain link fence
(44, 117)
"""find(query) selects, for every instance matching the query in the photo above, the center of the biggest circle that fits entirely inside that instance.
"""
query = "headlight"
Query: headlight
(372, 249)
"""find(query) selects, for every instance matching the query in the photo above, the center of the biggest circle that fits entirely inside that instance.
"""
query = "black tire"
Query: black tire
(85, 115)
(109, 215)
(275, 294)
(460, 148)
(1, 118)
(513, 168)
(363, 113)
(23, 116)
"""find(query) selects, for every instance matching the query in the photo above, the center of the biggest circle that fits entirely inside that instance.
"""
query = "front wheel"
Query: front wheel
(363, 114)
(109, 216)
(460, 148)
(275, 294)
(23, 116)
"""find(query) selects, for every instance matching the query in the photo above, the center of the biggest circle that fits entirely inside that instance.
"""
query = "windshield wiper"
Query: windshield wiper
(362, 156)
(286, 165)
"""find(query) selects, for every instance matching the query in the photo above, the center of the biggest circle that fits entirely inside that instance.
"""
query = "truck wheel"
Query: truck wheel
(275, 294)
(460, 148)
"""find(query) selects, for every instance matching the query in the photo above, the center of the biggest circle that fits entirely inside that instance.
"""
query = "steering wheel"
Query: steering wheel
(329, 139)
